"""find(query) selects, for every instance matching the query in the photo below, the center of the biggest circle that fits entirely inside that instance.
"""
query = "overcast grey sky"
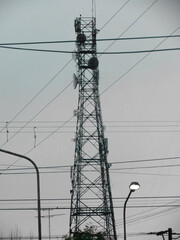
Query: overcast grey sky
(140, 108)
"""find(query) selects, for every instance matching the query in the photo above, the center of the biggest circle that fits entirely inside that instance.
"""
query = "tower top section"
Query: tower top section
(85, 57)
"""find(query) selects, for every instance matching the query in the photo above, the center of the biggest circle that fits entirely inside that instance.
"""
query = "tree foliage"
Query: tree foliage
(89, 233)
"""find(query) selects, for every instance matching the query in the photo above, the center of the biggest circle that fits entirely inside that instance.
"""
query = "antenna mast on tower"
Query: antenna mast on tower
(91, 199)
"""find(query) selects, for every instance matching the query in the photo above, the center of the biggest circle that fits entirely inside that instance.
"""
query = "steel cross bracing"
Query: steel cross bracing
(90, 173)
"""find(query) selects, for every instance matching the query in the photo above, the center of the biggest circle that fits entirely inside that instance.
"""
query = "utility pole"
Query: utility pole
(91, 198)
(49, 216)
(161, 233)
(169, 233)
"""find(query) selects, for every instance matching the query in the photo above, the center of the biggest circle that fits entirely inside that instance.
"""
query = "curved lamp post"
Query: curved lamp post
(133, 187)
(38, 187)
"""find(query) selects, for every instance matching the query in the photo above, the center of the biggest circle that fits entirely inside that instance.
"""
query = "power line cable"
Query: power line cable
(147, 160)
(106, 121)
(108, 131)
(146, 167)
(98, 40)
(111, 163)
(151, 216)
(116, 207)
(137, 38)
(113, 170)
(107, 126)
(101, 53)
(150, 210)
(69, 199)
(147, 174)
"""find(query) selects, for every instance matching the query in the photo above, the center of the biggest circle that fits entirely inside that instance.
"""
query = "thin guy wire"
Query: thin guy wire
(40, 111)
(114, 14)
(51, 80)
(137, 63)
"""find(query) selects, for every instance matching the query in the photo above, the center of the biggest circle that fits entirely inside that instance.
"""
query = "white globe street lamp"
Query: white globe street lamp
(133, 187)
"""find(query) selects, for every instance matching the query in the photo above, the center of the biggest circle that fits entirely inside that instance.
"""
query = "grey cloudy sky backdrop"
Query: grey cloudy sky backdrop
(136, 109)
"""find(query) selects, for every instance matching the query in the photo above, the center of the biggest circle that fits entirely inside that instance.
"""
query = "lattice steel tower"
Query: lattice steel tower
(91, 199)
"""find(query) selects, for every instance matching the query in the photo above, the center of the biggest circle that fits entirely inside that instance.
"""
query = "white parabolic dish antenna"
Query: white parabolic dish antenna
(75, 80)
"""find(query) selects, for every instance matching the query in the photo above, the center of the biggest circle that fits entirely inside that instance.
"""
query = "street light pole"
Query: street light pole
(124, 213)
(133, 187)
(38, 186)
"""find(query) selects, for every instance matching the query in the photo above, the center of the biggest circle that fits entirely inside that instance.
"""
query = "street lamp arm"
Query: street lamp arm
(38, 185)
(21, 156)
(127, 198)
(124, 213)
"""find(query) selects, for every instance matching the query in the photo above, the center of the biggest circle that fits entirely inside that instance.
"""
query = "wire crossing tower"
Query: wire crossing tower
(91, 199)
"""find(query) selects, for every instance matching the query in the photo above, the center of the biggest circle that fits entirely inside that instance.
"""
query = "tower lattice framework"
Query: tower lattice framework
(91, 198)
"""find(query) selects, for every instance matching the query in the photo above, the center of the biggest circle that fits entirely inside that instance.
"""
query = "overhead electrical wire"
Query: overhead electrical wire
(101, 53)
(36, 146)
(67, 172)
(73, 125)
(150, 216)
(114, 170)
(90, 199)
(111, 170)
(116, 207)
(153, 215)
(148, 160)
(147, 174)
(107, 121)
(70, 132)
(111, 163)
(98, 40)
(107, 131)
(146, 167)
(137, 38)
